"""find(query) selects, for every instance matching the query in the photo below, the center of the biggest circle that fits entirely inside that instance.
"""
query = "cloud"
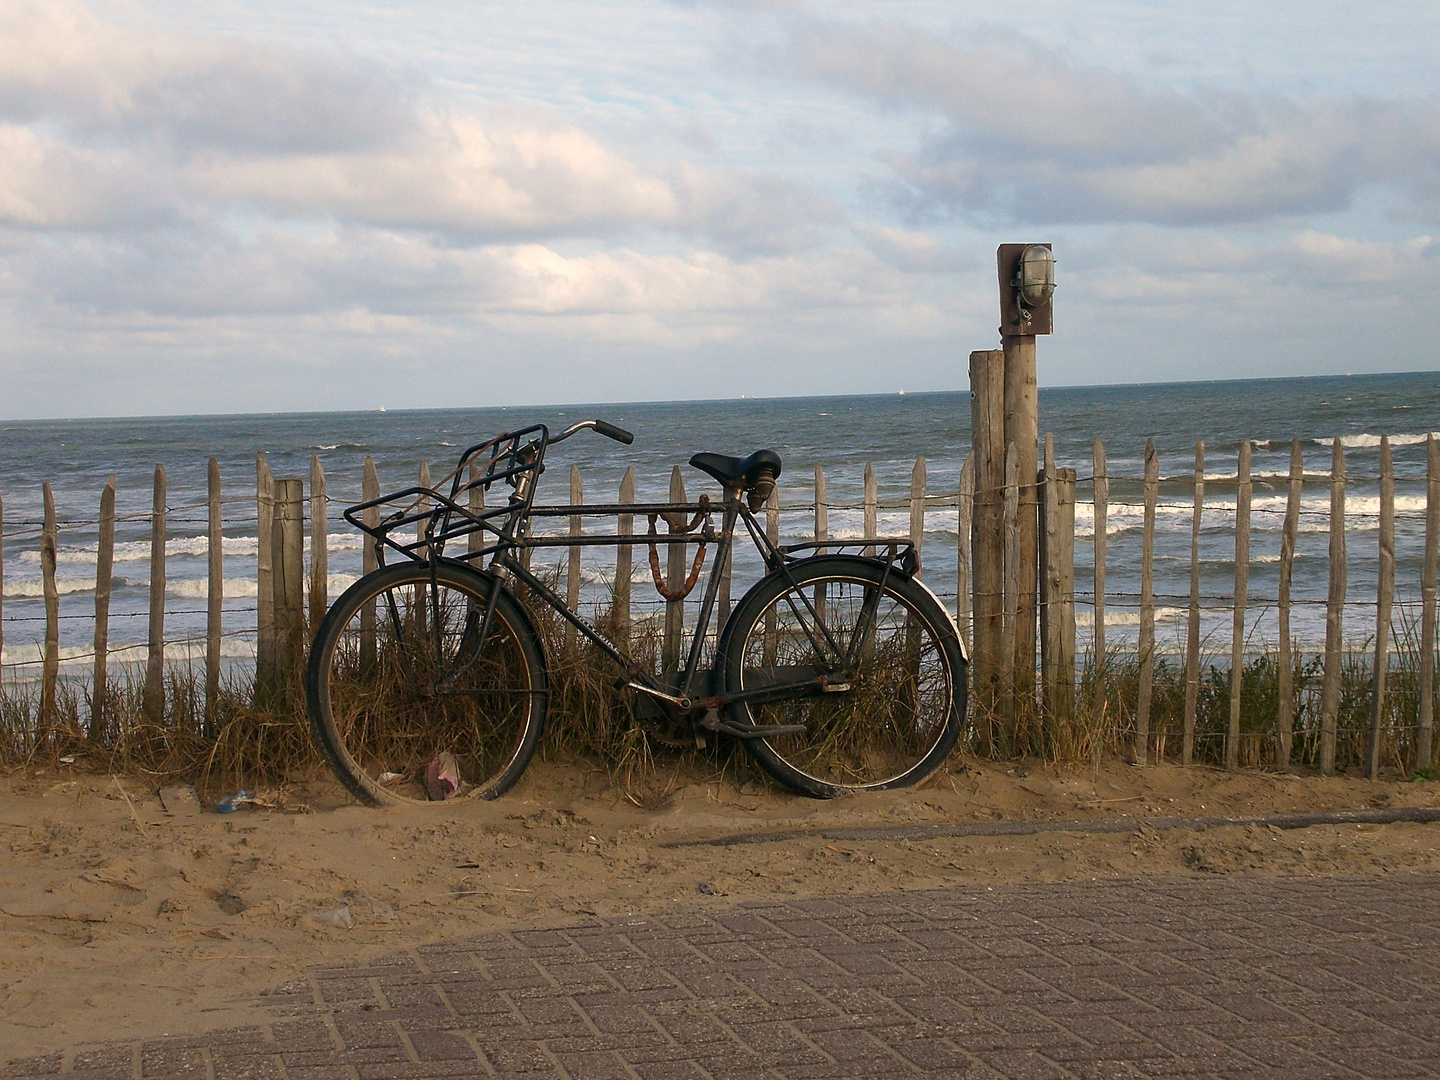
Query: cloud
(1029, 137)
(110, 127)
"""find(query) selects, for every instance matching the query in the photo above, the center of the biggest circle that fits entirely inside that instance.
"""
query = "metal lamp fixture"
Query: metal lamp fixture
(1034, 279)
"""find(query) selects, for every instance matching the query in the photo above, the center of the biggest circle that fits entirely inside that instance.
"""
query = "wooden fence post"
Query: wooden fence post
(264, 569)
(475, 539)
(319, 544)
(2, 588)
(369, 489)
(1424, 750)
(104, 573)
(155, 659)
(1242, 590)
(1147, 606)
(822, 532)
(1285, 712)
(624, 555)
(215, 594)
(1334, 613)
(287, 549)
(50, 671)
(917, 512)
(674, 581)
(772, 533)
(1100, 486)
(1192, 625)
(1057, 594)
(572, 568)
(965, 517)
(871, 504)
(987, 538)
(1022, 427)
(1011, 511)
(1384, 599)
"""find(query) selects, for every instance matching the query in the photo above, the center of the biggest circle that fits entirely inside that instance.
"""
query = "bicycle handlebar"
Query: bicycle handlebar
(609, 430)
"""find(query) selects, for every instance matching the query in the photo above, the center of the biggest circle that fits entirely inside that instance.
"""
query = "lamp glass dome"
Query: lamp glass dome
(1037, 275)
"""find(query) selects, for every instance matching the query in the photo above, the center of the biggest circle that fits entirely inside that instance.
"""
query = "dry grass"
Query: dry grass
(265, 740)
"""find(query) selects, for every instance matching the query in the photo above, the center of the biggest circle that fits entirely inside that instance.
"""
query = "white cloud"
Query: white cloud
(1030, 137)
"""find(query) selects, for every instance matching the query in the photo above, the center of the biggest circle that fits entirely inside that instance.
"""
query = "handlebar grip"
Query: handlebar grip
(610, 431)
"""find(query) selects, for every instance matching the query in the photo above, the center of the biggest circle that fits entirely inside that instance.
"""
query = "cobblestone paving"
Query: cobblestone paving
(1232, 977)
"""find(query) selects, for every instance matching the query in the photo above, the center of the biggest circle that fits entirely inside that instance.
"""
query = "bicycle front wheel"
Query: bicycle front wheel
(399, 677)
(894, 700)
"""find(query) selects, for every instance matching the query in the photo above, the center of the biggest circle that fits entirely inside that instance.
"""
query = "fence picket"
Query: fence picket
(917, 512)
(1011, 584)
(674, 581)
(1147, 606)
(1285, 711)
(1334, 613)
(625, 526)
(50, 672)
(572, 568)
(1192, 625)
(965, 514)
(155, 654)
(104, 575)
(319, 543)
(214, 592)
(264, 564)
(1424, 750)
(1100, 541)
(1384, 598)
(1242, 589)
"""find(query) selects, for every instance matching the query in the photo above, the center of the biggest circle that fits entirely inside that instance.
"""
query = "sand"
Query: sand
(119, 919)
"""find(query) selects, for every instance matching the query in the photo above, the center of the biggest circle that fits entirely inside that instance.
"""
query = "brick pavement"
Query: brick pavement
(1229, 977)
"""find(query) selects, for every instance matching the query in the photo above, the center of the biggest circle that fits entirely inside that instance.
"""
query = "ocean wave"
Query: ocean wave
(83, 657)
(1366, 441)
(1127, 618)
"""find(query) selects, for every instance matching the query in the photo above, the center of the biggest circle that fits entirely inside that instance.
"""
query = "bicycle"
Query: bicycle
(838, 671)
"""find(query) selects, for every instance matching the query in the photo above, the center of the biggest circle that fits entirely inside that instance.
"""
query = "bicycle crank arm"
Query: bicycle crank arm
(711, 722)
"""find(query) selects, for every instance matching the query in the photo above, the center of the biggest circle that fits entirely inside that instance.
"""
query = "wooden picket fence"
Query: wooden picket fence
(985, 595)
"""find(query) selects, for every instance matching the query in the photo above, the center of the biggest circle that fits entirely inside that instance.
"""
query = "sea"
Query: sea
(839, 434)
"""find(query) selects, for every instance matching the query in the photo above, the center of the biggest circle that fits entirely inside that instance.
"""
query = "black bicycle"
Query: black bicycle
(838, 670)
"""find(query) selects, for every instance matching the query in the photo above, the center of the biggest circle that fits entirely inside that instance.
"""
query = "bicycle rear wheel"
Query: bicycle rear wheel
(885, 721)
(398, 677)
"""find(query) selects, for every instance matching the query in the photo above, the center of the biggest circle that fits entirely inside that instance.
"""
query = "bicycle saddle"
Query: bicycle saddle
(733, 470)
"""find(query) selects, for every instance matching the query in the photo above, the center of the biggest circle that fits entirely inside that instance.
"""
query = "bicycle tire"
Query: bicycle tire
(903, 707)
(392, 683)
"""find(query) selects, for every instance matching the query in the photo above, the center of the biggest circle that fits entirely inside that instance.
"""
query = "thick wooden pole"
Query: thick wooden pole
(625, 526)
(1424, 749)
(1022, 428)
(1011, 511)
(154, 697)
(287, 548)
(50, 670)
(871, 506)
(1285, 712)
(987, 531)
(965, 517)
(1384, 600)
(319, 544)
(675, 571)
(917, 512)
(1242, 590)
(1192, 625)
(215, 598)
(264, 570)
(1101, 488)
(1334, 613)
(369, 489)
(104, 578)
(1147, 606)
(572, 568)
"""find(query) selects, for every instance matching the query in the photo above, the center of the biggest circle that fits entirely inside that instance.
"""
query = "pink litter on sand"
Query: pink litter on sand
(442, 777)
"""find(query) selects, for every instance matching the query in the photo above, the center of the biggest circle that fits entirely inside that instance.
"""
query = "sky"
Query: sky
(292, 205)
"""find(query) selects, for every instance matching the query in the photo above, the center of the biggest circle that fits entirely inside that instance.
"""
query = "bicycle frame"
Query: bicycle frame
(517, 459)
